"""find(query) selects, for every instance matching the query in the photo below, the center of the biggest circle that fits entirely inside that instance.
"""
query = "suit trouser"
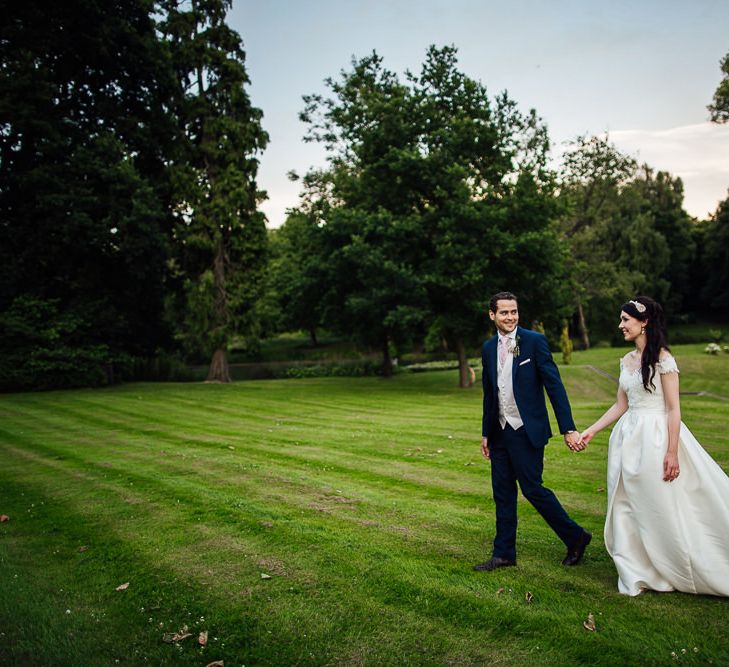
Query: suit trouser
(514, 459)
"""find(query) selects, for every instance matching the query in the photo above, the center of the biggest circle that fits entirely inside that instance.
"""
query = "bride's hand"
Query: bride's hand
(670, 466)
(586, 436)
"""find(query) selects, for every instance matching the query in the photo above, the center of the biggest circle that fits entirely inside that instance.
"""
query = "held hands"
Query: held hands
(574, 441)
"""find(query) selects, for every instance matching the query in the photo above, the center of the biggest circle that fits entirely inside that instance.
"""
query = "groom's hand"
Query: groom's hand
(574, 441)
(485, 448)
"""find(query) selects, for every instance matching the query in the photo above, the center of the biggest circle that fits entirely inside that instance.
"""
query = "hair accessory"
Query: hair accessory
(640, 307)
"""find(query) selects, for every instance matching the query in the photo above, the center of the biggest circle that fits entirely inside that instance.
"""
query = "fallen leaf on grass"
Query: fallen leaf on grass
(122, 587)
(4, 518)
(589, 624)
(528, 597)
(82, 549)
(216, 663)
(171, 637)
(500, 591)
(265, 576)
(202, 638)
(601, 489)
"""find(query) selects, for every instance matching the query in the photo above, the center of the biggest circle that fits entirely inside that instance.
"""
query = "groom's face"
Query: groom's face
(506, 316)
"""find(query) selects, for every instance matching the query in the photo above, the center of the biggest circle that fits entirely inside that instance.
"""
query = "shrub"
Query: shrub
(42, 347)
(162, 367)
(566, 344)
(353, 369)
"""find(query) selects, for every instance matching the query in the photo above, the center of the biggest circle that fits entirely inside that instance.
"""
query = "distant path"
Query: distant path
(607, 375)
(599, 371)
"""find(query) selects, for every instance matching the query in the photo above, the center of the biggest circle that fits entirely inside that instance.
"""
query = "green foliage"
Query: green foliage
(297, 274)
(628, 235)
(661, 197)
(365, 208)
(161, 367)
(719, 108)
(350, 369)
(594, 173)
(435, 197)
(82, 184)
(714, 265)
(220, 236)
(716, 335)
(41, 348)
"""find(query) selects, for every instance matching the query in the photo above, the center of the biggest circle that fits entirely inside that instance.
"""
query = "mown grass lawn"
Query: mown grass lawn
(365, 501)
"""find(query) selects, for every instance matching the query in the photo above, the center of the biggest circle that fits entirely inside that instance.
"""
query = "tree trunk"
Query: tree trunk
(219, 368)
(582, 326)
(464, 371)
(386, 360)
(312, 335)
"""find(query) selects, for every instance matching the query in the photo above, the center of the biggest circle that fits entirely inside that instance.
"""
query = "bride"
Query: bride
(667, 524)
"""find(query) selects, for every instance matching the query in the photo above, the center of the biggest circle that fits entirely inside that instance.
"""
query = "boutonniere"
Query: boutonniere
(515, 349)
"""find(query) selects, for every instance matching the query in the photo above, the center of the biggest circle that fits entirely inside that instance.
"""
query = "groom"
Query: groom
(517, 368)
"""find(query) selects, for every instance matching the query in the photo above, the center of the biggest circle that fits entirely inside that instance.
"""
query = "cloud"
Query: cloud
(698, 154)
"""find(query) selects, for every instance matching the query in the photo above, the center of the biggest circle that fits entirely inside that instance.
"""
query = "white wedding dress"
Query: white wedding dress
(663, 536)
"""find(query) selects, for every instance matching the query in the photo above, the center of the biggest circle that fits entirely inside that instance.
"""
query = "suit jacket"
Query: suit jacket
(532, 372)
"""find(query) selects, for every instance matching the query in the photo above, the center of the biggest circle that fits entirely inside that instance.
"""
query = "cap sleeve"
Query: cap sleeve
(667, 365)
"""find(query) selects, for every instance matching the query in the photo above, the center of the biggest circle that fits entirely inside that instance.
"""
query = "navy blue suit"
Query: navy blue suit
(518, 456)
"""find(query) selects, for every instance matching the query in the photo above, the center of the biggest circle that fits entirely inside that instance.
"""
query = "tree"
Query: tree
(719, 108)
(298, 273)
(367, 207)
(83, 227)
(627, 230)
(715, 261)
(593, 176)
(662, 199)
(435, 196)
(486, 202)
(220, 235)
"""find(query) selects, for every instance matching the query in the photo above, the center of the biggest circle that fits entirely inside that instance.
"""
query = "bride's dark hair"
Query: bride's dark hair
(655, 334)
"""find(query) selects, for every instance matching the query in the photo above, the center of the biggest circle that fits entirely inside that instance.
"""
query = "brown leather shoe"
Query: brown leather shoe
(494, 563)
(577, 550)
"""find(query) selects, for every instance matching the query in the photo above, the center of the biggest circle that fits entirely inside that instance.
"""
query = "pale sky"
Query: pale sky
(641, 70)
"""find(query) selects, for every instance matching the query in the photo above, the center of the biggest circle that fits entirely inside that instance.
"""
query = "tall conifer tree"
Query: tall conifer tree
(221, 235)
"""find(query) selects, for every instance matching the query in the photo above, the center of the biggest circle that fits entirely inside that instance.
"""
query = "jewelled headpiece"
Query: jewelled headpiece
(640, 307)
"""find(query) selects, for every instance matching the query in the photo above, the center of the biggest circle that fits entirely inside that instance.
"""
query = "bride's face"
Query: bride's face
(630, 326)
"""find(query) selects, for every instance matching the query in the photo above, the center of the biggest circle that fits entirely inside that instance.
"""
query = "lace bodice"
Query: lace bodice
(631, 382)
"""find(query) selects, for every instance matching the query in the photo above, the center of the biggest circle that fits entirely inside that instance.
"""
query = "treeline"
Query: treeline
(128, 204)
(130, 234)
(436, 196)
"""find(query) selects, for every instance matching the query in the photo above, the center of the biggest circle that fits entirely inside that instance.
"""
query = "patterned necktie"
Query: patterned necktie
(503, 350)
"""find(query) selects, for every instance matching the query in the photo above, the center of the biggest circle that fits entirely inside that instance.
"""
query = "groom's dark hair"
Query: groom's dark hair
(500, 296)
